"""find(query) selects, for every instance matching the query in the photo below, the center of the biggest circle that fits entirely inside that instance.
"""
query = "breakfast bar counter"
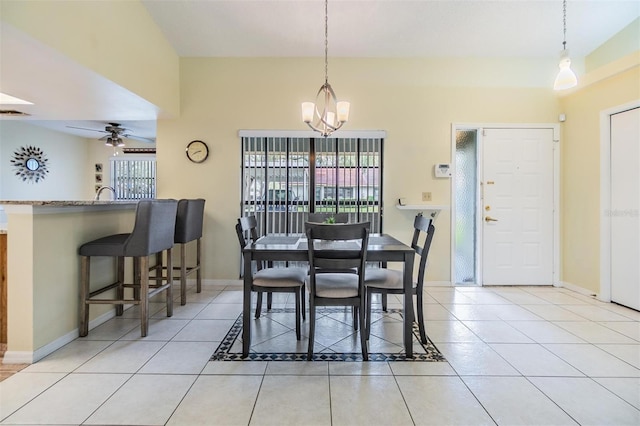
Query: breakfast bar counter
(43, 269)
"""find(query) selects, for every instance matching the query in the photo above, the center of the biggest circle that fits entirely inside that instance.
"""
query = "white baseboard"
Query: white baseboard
(576, 288)
(28, 357)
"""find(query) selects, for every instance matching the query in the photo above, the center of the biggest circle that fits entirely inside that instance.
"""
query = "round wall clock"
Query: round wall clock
(197, 151)
(30, 164)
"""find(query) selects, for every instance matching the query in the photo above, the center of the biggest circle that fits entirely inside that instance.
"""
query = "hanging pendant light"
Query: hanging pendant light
(328, 113)
(566, 78)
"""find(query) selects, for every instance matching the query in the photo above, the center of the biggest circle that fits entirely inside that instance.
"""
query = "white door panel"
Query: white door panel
(517, 181)
(625, 208)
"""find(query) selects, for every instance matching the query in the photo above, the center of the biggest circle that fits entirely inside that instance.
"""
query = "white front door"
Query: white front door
(517, 207)
(625, 208)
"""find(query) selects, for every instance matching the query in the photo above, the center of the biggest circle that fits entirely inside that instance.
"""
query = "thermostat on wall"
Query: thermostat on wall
(442, 170)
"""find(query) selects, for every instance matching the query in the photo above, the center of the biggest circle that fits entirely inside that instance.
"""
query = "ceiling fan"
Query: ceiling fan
(114, 134)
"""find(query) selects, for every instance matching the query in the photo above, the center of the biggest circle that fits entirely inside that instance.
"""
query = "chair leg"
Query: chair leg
(158, 269)
(423, 333)
(312, 329)
(136, 278)
(355, 318)
(120, 289)
(368, 301)
(303, 295)
(183, 274)
(298, 314)
(143, 262)
(383, 297)
(84, 294)
(169, 295)
(199, 270)
(258, 304)
(269, 300)
(363, 333)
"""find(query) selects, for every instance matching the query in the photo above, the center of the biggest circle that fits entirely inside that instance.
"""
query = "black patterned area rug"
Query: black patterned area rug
(230, 349)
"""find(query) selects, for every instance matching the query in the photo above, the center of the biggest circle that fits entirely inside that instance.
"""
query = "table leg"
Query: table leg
(246, 306)
(408, 304)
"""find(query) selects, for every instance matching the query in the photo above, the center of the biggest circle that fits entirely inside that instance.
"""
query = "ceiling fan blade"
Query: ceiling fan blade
(104, 137)
(138, 138)
(84, 128)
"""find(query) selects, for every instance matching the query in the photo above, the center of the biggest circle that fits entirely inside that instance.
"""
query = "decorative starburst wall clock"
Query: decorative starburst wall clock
(30, 164)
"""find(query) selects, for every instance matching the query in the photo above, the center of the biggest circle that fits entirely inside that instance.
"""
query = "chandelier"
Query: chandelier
(327, 114)
(566, 78)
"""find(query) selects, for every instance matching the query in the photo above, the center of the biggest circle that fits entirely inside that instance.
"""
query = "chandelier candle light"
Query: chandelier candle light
(566, 78)
(333, 114)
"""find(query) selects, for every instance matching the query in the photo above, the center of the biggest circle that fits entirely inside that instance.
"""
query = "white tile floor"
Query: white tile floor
(515, 356)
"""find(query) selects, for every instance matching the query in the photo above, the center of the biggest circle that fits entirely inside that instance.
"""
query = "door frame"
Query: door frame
(479, 127)
(605, 196)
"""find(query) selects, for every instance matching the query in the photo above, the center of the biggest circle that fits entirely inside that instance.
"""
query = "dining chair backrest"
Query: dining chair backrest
(322, 217)
(337, 247)
(248, 225)
(422, 224)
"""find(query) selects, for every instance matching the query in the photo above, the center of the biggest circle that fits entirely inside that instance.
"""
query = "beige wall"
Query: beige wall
(415, 101)
(580, 208)
(116, 39)
(44, 271)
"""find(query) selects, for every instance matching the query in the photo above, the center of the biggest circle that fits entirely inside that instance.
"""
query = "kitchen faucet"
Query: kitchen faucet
(102, 188)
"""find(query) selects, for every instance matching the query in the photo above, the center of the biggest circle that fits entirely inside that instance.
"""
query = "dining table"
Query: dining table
(293, 248)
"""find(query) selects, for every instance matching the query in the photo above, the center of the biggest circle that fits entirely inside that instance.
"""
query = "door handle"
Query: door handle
(490, 219)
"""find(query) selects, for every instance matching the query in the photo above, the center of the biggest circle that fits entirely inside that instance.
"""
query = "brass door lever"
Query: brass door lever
(490, 219)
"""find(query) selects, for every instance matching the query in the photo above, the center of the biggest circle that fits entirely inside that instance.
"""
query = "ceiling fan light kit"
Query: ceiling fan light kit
(114, 141)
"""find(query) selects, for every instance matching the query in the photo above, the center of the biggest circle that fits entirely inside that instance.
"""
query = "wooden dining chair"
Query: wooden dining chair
(273, 279)
(388, 281)
(337, 259)
(322, 217)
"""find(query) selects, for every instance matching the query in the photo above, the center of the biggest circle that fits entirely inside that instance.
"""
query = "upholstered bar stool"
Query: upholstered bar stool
(189, 219)
(152, 233)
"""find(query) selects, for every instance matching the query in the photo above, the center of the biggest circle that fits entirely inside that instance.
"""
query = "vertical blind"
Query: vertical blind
(286, 177)
(133, 179)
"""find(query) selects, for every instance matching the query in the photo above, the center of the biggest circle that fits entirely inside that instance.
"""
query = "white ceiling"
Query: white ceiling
(389, 28)
(357, 28)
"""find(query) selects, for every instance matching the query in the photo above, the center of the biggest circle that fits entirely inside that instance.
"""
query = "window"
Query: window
(133, 179)
(286, 177)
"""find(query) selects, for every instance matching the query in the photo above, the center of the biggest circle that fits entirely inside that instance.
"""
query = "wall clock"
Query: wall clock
(30, 164)
(197, 151)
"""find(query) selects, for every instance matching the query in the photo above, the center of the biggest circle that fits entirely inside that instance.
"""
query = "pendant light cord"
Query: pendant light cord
(564, 25)
(326, 41)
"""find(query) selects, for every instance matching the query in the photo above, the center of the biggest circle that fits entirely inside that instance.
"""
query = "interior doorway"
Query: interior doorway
(505, 224)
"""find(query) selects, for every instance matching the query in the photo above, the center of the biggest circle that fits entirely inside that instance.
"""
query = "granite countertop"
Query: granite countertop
(62, 203)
